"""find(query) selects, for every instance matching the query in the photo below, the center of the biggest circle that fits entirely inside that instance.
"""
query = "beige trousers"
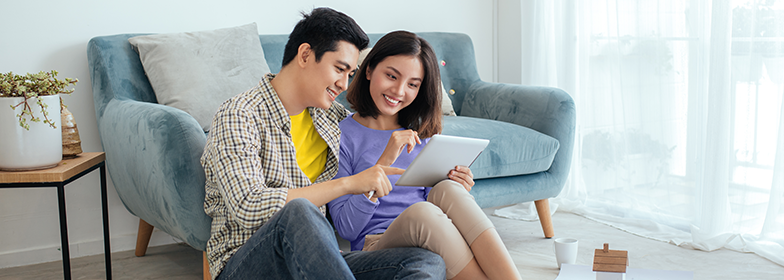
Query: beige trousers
(447, 224)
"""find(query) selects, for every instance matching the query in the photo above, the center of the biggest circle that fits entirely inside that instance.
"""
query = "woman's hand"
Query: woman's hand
(462, 175)
(397, 142)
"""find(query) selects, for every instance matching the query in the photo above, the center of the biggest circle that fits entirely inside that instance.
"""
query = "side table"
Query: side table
(65, 172)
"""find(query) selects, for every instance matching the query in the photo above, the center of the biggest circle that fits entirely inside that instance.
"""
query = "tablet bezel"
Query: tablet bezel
(441, 154)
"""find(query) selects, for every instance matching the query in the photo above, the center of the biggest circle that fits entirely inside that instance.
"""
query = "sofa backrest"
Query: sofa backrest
(117, 71)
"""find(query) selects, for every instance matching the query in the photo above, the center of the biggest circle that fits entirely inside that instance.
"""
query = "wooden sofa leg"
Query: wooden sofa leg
(543, 208)
(206, 267)
(143, 238)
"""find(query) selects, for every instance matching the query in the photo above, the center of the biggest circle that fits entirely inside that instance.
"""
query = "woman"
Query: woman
(396, 94)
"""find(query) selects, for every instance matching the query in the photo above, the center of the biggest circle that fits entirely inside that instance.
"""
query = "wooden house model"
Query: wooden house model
(610, 264)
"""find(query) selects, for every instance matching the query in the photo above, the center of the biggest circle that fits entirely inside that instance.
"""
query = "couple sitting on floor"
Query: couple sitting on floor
(280, 152)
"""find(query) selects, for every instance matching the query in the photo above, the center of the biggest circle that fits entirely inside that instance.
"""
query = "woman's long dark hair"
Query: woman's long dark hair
(423, 115)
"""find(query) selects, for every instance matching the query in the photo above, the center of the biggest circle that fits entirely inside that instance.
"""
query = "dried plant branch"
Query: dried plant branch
(34, 86)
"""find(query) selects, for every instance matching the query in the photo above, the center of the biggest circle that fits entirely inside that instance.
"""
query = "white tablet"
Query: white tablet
(441, 154)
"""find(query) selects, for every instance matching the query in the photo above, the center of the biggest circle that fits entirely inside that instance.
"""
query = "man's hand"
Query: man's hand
(462, 175)
(397, 142)
(373, 179)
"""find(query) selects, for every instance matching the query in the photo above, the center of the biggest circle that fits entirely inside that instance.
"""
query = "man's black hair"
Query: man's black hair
(323, 28)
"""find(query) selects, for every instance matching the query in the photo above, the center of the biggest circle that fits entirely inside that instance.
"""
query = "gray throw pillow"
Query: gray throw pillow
(197, 71)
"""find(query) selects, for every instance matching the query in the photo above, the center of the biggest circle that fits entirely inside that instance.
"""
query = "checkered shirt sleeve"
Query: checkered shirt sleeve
(250, 164)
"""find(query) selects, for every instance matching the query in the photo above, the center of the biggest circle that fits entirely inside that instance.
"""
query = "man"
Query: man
(269, 161)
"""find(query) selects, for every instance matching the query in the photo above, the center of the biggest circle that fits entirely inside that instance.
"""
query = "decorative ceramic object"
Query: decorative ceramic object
(72, 145)
(30, 132)
(41, 146)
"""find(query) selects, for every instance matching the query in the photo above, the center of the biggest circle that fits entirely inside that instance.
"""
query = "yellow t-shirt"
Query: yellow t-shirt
(311, 148)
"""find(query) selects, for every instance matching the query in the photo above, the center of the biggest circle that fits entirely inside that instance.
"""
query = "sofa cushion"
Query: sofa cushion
(513, 149)
(197, 71)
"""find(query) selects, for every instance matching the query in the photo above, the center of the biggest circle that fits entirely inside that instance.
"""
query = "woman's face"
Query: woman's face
(395, 82)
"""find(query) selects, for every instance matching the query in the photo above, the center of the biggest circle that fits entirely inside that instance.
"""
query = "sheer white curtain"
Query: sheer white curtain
(680, 132)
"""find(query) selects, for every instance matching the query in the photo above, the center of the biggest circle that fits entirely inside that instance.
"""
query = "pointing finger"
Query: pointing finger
(392, 170)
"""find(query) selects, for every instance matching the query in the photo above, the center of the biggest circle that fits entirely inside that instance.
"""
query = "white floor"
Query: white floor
(535, 258)
(532, 253)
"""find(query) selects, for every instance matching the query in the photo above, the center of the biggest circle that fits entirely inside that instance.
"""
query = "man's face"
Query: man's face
(327, 78)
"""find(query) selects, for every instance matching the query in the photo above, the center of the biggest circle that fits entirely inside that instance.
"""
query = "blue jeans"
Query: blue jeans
(299, 243)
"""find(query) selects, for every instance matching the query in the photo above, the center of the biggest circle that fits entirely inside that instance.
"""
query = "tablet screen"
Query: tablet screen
(441, 154)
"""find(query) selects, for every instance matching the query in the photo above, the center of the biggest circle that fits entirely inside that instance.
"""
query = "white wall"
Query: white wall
(509, 41)
(44, 35)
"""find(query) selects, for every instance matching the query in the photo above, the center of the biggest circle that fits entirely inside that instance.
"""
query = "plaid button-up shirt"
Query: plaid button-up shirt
(250, 163)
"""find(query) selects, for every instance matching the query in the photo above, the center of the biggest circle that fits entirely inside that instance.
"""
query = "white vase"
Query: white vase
(38, 148)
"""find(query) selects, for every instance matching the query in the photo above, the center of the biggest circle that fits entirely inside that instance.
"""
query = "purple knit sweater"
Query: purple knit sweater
(355, 216)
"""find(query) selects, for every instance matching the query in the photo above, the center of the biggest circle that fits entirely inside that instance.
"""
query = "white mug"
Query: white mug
(565, 251)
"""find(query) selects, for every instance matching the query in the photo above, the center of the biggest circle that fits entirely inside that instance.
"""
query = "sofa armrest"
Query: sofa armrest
(153, 154)
(545, 109)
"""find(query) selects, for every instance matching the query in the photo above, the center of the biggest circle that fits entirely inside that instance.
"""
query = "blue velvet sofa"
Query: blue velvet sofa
(153, 151)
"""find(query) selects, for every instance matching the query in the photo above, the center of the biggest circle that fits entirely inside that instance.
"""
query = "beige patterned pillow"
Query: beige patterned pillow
(197, 71)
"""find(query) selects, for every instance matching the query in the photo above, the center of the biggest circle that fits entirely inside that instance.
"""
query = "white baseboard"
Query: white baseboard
(81, 249)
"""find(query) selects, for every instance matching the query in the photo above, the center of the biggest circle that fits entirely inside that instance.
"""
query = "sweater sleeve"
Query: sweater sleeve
(350, 213)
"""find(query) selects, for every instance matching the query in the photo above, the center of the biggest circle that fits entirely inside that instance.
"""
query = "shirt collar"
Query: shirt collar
(278, 113)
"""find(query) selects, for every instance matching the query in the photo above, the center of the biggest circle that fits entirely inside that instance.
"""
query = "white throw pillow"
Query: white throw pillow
(197, 71)
(446, 103)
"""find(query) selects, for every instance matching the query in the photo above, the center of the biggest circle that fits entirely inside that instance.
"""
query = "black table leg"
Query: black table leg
(107, 251)
(64, 232)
